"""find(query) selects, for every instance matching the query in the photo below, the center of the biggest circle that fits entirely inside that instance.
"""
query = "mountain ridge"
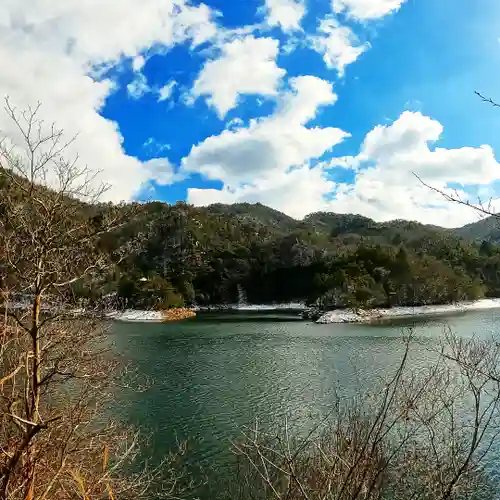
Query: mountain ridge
(482, 229)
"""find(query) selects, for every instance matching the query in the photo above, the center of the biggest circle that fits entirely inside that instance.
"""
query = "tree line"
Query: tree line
(184, 255)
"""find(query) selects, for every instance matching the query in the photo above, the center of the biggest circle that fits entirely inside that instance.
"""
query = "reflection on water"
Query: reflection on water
(214, 375)
(237, 316)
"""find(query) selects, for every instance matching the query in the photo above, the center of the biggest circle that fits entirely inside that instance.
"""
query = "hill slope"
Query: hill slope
(487, 229)
(207, 255)
(257, 214)
(180, 254)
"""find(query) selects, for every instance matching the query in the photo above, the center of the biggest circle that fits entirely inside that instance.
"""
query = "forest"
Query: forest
(183, 255)
(163, 256)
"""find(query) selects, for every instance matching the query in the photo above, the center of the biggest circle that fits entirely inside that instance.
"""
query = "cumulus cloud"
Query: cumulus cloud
(166, 91)
(338, 44)
(385, 185)
(162, 171)
(272, 153)
(246, 65)
(298, 192)
(254, 164)
(138, 63)
(404, 147)
(285, 13)
(367, 10)
(48, 49)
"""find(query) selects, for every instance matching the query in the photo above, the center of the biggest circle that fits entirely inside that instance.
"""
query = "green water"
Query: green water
(212, 376)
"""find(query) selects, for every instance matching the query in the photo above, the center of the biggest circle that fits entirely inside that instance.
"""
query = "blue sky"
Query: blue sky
(303, 105)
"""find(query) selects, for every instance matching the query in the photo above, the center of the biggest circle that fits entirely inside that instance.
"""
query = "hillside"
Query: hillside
(326, 223)
(487, 229)
(172, 255)
(257, 214)
(206, 255)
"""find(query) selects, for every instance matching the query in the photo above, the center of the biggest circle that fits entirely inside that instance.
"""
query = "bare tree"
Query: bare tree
(425, 435)
(56, 378)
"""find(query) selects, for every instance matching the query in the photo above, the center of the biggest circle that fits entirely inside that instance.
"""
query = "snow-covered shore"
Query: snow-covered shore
(367, 316)
(135, 315)
(292, 306)
(337, 316)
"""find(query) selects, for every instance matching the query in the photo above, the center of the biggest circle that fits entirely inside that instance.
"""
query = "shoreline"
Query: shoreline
(335, 316)
(144, 316)
(329, 317)
(374, 315)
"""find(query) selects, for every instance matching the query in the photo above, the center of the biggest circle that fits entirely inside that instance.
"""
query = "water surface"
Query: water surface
(212, 376)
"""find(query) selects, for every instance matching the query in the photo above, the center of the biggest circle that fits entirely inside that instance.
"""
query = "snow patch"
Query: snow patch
(136, 315)
(365, 316)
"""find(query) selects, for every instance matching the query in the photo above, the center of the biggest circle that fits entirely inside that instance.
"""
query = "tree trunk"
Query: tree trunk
(34, 415)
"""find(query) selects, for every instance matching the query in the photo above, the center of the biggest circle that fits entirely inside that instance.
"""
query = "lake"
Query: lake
(214, 375)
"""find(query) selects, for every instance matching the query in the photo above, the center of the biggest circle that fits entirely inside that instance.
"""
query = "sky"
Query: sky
(302, 105)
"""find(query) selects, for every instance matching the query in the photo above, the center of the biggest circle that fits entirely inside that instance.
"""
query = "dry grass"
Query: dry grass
(76, 450)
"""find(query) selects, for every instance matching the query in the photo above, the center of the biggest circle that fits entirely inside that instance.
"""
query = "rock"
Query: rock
(312, 313)
(350, 316)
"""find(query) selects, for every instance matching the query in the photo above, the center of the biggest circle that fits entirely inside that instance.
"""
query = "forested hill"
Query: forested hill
(257, 214)
(186, 255)
(486, 229)
(170, 255)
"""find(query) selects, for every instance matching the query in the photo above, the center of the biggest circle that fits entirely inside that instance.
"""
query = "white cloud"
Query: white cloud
(297, 193)
(253, 163)
(285, 13)
(47, 50)
(138, 63)
(166, 91)
(272, 154)
(193, 22)
(162, 171)
(138, 86)
(367, 10)
(235, 123)
(404, 147)
(338, 44)
(246, 66)
(82, 27)
(386, 188)
(153, 147)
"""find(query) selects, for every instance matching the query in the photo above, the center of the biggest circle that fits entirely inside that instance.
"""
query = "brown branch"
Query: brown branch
(487, 99)
(457, 199)
(11, 375)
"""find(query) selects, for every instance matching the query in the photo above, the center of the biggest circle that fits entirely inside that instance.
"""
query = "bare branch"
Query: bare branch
(487, 99)
(455, 198)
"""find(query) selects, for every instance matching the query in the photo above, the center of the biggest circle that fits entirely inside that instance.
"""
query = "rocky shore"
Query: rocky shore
(371, 315)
